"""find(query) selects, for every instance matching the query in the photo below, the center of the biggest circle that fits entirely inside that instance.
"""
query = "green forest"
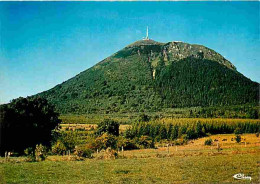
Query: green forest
(149, 78)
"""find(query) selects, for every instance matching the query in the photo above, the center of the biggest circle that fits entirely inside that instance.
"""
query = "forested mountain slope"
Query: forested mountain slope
(147, 76)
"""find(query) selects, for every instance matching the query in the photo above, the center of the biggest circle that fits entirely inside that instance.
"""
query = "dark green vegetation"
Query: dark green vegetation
(26, 122)
(235, 111)
(108, 126)
(148, 76)
(67, 141)
(190, 130)
(208, 142)
(201, 82)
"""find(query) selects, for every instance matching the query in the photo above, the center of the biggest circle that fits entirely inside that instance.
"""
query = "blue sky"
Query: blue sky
(45, 43)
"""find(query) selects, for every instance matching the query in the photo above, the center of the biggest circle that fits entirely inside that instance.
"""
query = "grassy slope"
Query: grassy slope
(192, 163)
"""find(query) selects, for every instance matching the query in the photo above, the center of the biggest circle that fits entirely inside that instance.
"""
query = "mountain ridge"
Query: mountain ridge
(131, 80)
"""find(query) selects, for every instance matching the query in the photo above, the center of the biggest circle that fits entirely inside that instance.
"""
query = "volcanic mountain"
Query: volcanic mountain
(148, 76)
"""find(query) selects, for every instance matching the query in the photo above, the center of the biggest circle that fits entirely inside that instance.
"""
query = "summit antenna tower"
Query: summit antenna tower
(147, 34)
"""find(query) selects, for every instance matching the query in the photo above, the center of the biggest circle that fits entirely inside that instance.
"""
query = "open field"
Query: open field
(250, 143)
(179, 169)
(87, 127)
(192, 163)
(128, 119)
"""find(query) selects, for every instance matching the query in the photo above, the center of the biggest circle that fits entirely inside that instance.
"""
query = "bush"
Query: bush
(128, 133)
(40, 152)
(238, 138)
(107, 154)
(108, 126)
(208, 142)
(37, 154)
(29, 153)
(127, 144)
(105, 141)
(83, 151)
(180, 141)
(91, 143)
(146, 142)
(58, 148)
(185, 137)
(68, 140)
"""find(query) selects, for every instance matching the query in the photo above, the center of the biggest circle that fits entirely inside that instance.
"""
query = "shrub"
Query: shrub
(127, 144)
(208, 142)
(92, 144)
(238, 138)
(83, 151)
(58, 148)
(105, 141)
(108, 126)
(29, 152)
(68, 139)
(128, 133)
(185, 137)
(146, 142)
(180, 141)
(37, 154)
(107, 154)
(40, 152)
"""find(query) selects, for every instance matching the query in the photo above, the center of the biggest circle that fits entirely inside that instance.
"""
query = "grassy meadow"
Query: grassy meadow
(191, 163)
(129, 118)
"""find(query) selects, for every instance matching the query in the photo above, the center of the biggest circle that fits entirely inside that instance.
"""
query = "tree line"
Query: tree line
(190, 130)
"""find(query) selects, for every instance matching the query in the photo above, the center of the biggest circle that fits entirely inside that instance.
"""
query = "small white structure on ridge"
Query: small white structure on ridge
(147, 33)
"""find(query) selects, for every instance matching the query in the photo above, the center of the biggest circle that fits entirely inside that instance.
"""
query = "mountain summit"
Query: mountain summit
(149, 76)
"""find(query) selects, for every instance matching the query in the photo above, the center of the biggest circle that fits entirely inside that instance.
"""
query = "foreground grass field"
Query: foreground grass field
(192, 163)
(180, 169)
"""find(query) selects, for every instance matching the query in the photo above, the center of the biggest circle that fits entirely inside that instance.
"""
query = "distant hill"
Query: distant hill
(148, 76)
